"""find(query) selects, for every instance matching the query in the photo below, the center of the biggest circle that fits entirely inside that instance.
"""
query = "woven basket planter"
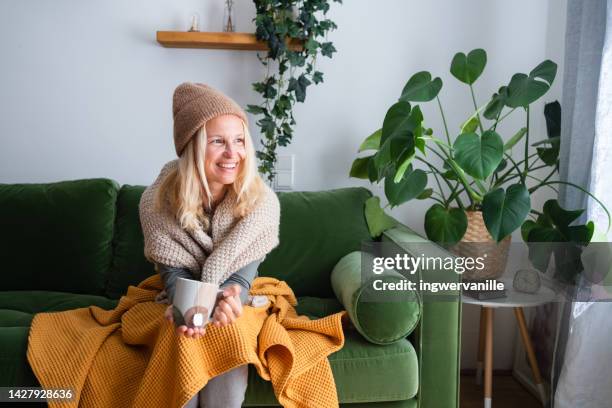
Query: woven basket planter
(476, 243)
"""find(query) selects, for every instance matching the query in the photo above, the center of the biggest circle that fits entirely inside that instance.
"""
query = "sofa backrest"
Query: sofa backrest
(84, 236)
(316, 230)
(57, 236)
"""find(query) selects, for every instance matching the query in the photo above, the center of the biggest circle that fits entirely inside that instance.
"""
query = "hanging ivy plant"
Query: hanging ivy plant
(289, 70)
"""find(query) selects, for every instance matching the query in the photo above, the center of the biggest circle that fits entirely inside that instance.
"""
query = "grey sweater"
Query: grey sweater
(243, 277)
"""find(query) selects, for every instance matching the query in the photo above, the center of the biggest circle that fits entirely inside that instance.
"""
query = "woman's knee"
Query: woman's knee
(226, 390)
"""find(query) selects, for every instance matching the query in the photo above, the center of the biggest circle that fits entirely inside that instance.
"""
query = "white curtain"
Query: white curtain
(583, 362)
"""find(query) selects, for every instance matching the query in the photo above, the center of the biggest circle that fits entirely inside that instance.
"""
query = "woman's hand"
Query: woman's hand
(184, 330)
(229, 308)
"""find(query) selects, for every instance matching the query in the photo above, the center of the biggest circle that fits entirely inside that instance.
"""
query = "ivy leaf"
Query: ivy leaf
(311, 46)
(255, 109)
(296, 58)
(327, 49)
(299, 87)
(317, 77)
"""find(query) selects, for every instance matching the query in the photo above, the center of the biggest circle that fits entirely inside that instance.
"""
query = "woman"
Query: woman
(210, 216)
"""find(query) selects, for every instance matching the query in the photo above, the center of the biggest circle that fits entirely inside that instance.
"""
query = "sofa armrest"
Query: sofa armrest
(438, 335)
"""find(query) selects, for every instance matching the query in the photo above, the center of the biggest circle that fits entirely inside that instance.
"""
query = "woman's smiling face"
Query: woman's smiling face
(225, 151)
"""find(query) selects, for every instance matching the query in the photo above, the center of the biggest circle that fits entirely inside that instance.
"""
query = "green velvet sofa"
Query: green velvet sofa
(77, 243)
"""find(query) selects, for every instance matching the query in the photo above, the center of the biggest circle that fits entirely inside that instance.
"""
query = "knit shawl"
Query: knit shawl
(213, 255)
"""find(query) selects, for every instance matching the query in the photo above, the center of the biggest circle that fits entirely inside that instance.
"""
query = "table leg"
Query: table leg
(520, 318)
(481, 343)
(488, 357)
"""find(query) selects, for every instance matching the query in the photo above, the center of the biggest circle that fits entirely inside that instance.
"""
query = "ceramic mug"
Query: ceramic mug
(193, 302)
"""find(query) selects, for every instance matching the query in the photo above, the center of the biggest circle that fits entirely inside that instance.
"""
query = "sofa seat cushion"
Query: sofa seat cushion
(363, 372)
(36, 301)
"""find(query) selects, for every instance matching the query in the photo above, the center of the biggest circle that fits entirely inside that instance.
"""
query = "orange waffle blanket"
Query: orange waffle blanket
(131, 356)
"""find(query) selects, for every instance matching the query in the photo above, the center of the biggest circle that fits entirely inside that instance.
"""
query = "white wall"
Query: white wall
(85, 90)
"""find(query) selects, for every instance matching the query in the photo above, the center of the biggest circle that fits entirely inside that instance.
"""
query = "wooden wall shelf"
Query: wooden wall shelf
(218, 41)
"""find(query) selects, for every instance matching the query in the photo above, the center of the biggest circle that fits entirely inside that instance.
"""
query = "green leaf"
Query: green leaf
(549, 155)
(547, 71)
(371, 142)
(526, 228)
(552, 114)
(505, 211)
(496, 104)
(410, 186)
(397, 121)
(401, 170)
(255, 109)
(421, 88)
(299, 87)
(468, 68)
(376, 218)
(311, 46)
(470, 125)
(515, 139)
(317, 77)
(445, 226)
(559, 216)
(523, 89)
(479, 156)
(373, 172)
(359, 169)
(327, 49)
(397, 129)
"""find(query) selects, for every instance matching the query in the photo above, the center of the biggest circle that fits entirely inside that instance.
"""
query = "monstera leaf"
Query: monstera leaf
(525, 89)
(371, 142)
(445, 225)
(505, 211)
(421, 88)
(496, 104)
(479, 156)
(376, 218)
(410, 186)
(467, 68)
(552, 233)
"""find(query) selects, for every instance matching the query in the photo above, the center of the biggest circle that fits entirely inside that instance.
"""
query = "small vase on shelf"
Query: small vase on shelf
(228, 16)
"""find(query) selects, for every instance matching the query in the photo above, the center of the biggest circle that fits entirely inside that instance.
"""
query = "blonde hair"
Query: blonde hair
(186, 184)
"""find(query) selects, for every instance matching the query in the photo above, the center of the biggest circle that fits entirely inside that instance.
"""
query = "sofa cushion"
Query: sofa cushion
(316, 229)
(363, 372)
(57, 236)
(130, 267)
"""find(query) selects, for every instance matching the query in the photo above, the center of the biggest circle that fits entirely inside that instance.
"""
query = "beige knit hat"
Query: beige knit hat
(193, 104)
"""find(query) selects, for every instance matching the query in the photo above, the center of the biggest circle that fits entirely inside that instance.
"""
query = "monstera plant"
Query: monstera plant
(473, 168)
